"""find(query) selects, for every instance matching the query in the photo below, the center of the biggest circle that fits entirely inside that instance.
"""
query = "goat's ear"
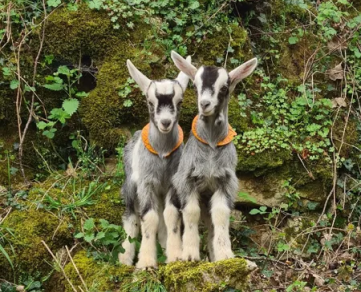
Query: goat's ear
(242, 72)
(183, 65)
(182, 78)
(138, 76)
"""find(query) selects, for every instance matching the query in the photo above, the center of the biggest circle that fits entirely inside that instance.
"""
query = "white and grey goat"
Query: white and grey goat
(150, 159)
(206, 182)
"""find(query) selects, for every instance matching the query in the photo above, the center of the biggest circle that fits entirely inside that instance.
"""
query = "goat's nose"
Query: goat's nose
(165, 123)
(205, 104)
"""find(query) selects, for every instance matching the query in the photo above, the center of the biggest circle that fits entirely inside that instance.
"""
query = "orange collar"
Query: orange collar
(145, 138)
(225, 141)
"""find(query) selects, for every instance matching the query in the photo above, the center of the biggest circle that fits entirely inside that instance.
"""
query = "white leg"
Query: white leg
(191, 214)
(131, 227)
(207, 220)
(220, 213)
(174, 241)
(162, 230)
(148, 247)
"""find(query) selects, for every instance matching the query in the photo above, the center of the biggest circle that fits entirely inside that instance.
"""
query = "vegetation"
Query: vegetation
(67, 107)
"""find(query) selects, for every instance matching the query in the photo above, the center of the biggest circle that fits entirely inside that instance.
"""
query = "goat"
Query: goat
(151, 158)
(206, 182)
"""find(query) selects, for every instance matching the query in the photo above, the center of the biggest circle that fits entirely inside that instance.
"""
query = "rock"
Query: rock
(204, 276)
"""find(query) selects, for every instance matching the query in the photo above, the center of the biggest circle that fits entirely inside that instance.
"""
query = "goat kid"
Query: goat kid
(150, 160)
(206, 182)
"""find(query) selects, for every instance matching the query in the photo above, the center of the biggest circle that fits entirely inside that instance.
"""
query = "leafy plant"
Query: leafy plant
(104, 238)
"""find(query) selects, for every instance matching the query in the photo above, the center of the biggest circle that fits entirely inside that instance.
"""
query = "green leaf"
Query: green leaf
(95, 4)
(100, 235)
(14, 84)
(53, 3)
(127, 103)
(54, 86)
(50, 133)
(254, 211)
(6, 71)
(42, 125)
(89, 236)
(312, 205)
(263, 208)
(194, 5)
(64, 70)
(247, 197)
(104, 223)
(70, 105)
(79, 235)
(6, 255)
(81, 94)
(89, 224)
(293, 40)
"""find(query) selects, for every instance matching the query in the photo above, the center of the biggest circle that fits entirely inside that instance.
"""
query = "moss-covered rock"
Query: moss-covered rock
(97, 276)
(202, 276)
(25, 231)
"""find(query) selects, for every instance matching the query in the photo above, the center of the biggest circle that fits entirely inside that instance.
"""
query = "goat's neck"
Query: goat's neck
(213, 128)
(163, 143)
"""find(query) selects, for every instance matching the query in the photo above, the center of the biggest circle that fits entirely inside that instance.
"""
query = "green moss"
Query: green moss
(108, 206)
(26, 230)
(204, 276)
(98, 276)
(262, 162)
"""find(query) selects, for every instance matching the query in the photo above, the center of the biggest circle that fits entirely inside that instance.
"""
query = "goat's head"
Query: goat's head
(213, 84)
(164, 97)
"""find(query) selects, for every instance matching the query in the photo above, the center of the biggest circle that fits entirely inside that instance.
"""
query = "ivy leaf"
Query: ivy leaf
(54, 3)
(54, 86)
(89, 236)
(70, 105)
(194, 5)
(293, 40)
(14, 84)
(95, 4)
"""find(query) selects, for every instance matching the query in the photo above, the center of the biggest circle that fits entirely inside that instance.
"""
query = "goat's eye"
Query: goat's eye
(179, 104)
(151, 105)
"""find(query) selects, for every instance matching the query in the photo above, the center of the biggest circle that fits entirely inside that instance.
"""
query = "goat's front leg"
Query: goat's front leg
(149, 225)
(172, 218)
(131, 227)
(191, 213)
(220, 213)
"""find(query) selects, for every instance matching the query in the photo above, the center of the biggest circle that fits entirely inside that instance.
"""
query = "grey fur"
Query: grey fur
(148, 176)
(206, 181)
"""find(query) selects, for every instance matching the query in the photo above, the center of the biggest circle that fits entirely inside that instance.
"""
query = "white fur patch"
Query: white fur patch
(135, 161)
(174, 241)
(191, 215)
(148, 248)
(220, 213)
(131, 227)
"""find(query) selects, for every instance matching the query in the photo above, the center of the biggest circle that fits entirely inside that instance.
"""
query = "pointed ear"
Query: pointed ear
(242, 72)
(183, 65)
(138, 77)
(182, 78)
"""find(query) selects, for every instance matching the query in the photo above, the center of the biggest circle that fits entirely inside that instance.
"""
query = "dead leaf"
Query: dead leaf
(339, 101)
(319, 281)
(70, 171)
(337, 44)
(336, 73)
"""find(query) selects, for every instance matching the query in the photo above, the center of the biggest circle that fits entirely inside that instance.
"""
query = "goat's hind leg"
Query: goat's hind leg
(207, 220)
(172, 218)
